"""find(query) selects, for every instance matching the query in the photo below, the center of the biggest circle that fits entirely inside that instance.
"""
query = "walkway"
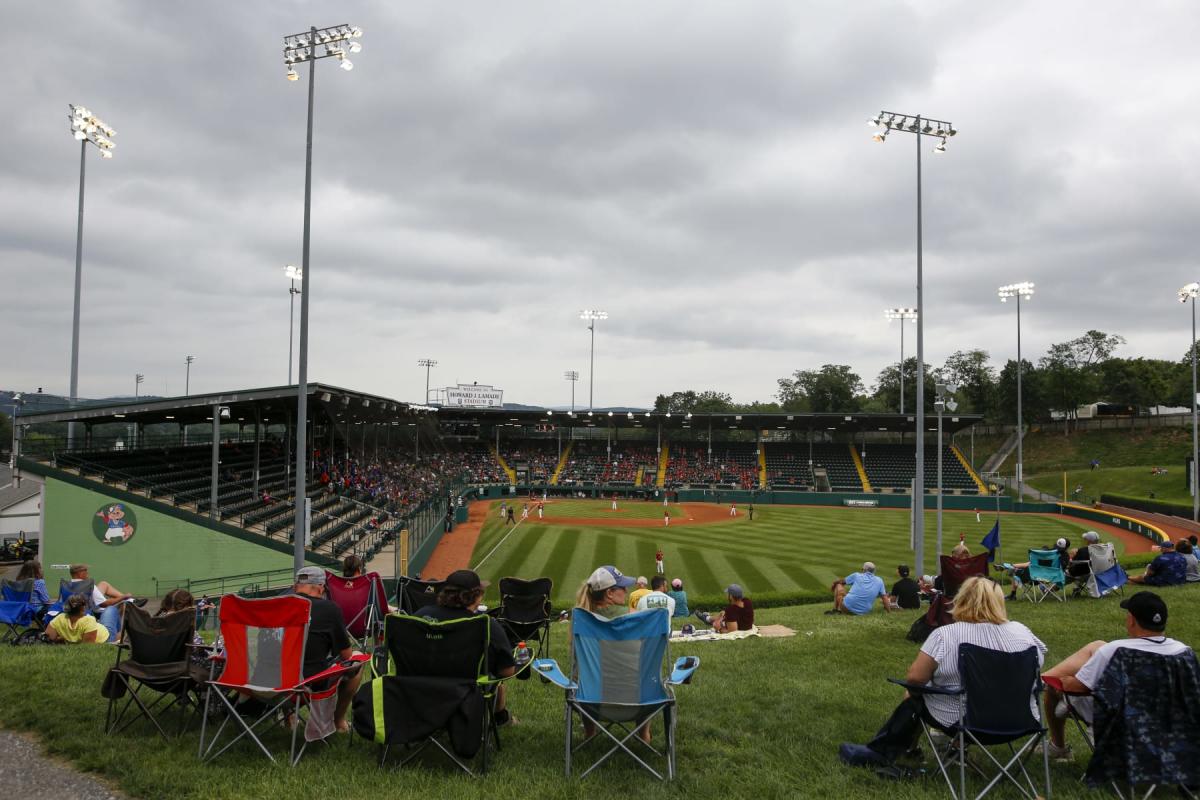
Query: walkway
(28, 774)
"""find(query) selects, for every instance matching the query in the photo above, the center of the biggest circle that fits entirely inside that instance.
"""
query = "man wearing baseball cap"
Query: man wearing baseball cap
(328, 642)
(737, 616)
(1145, 622)
(1167, 569)
(459, 598)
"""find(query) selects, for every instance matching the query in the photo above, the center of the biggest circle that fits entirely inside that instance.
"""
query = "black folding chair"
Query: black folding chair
(437, 687)
(525, 611)
(158, 663)
(996, 700)
(412, 595)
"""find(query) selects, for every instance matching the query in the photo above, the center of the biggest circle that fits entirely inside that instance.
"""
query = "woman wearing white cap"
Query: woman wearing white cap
(605, 593)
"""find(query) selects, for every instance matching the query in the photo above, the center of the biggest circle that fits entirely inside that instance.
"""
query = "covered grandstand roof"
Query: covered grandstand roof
(352, 406)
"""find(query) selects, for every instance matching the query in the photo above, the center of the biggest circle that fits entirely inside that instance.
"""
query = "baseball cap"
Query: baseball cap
(677, 584)
(1167, 545)
(1091, 536)
(734, 591)
(1060, 544)
(607, 577)
(313, 576)
(1148, 609)
(465, 579)
(868, 566)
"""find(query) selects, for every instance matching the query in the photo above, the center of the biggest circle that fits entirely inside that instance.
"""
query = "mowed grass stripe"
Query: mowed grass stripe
(510, 560)
(747, 573)
(700, 578)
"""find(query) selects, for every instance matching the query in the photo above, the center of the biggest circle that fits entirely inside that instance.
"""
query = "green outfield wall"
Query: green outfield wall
(1132, 524)
(132, 546)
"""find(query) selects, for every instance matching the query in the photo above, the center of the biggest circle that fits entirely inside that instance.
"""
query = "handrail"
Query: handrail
(219, 583)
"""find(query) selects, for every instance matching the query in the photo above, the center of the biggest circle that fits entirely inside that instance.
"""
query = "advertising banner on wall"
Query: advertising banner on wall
(474, 395)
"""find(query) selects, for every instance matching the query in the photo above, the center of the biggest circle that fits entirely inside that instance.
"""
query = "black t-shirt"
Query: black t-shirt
(500, 655)
(907, 593)
(327, 636)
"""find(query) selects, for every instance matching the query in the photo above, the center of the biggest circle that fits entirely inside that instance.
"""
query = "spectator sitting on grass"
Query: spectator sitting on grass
(75, 625)
(643, 589)
(1168, 568)
(352, 566)
(657, 598)
(1145, 622)
(857, 592)
(979, 619)
(106, 599)
(327, 642)
(1185, 549)
(906, 592)
(737, 616)
(32, 571)
(960, 553)
(176, 600)
(680, 597)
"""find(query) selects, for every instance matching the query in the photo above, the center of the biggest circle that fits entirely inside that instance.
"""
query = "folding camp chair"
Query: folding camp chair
(1105, 575)
(66, 588)
(159, 662)
(955, 571)
(998, 692)
(18, 612)
(525, 611)
(1046, 577)
(363, 601)
(1142, 724)
(617, 682)
(437, 687)
(412, 595)
(264, 653)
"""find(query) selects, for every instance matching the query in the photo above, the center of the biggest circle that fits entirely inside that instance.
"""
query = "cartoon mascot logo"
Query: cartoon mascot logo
(114, 524)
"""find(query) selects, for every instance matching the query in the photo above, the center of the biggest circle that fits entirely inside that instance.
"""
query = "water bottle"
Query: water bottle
(522, 656)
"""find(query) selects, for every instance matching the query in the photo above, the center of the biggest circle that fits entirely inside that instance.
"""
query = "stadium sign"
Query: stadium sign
(860, 503)
(472, 395)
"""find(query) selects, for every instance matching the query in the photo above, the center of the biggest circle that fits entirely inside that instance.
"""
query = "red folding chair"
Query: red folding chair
(363, 601)
(955, 572)
(263, 658)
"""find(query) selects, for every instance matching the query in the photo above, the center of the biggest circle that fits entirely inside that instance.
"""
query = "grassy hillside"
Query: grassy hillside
(1053, 452)
(1129, 481)
(763, 719)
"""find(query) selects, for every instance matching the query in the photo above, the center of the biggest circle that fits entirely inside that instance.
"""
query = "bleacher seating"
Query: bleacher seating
(592, 464)
(892, 466)
(787, 465)
(733, 465)
(536, 457)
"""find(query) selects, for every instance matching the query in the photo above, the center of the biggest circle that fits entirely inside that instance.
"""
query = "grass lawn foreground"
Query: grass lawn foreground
(763, 719)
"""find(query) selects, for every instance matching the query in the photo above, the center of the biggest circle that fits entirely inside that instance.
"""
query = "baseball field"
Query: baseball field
(784, 551)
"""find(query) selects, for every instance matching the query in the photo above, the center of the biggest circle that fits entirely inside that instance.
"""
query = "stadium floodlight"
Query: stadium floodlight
(1187, 293)
(591, 315)
(86, 128)
(917, 124)
(901, 314)
(1024, 289)
(294, 275)
(428, 364)
(187, 379)
(309, 46)
(137, 384)
(573, 377)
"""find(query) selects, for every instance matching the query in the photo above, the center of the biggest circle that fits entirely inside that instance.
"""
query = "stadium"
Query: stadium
(968, 571)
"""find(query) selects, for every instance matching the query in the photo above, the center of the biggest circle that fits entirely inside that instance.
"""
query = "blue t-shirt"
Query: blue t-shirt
(864, 588)
(681, 606)
(1169, 568)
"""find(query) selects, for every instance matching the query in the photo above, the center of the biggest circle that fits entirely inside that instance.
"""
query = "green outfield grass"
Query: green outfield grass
(786, 550)
(1129, 481)
(763, 719)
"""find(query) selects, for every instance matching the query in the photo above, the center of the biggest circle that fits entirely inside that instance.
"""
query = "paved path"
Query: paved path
(28, 774)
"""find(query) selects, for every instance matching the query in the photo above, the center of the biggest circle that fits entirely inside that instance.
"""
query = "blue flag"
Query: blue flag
(991, 542)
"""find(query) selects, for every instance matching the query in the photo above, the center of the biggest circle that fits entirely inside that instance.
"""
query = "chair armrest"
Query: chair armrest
(683, 669)
(339, 668)
(548, 668)
(1056, 684)
(921, 688)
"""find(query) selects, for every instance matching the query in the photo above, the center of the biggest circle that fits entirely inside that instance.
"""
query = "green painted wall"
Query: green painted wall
(162, 546)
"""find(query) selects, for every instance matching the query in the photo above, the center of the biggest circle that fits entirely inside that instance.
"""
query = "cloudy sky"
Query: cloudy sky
(701, 170)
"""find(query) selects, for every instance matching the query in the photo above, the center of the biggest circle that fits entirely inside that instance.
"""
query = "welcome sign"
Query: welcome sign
(473, 395)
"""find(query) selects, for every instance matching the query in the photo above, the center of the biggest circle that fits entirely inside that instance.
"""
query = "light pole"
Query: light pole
(187, 380)
(335, 42)
(293, 275)
(573, 377)
(17, 401)
(137, 384)
(945, 402)
(887, 122)
(1018, 290)
(901, 314)
(427, 363)
(85, 127)
(591, 315)
(1190, 292)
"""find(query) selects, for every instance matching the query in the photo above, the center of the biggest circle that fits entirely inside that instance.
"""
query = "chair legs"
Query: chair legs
(954, 754)
(622, 743)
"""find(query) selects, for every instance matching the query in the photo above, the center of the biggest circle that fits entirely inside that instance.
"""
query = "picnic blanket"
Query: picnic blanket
(764, 631)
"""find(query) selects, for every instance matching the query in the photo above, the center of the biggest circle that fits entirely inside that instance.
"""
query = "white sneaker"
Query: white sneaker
(1061, 711)
(1058, 753)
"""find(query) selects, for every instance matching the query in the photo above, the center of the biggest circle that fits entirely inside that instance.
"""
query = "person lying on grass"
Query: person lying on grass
(737, 616)
(1145, 623)
(75, 625)
(980, 619)
(856, 593)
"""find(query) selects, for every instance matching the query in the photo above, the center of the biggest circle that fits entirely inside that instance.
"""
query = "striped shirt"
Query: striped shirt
(942, 647)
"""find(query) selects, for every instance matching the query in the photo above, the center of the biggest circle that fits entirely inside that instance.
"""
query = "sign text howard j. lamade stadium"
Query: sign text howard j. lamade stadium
(474, 395)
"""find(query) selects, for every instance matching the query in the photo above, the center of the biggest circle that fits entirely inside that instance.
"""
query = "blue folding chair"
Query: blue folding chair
(1046, 577)
(17, 610)
(617, 682)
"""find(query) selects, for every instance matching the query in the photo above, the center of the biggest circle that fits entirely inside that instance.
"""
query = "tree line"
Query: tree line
(1071, 374)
